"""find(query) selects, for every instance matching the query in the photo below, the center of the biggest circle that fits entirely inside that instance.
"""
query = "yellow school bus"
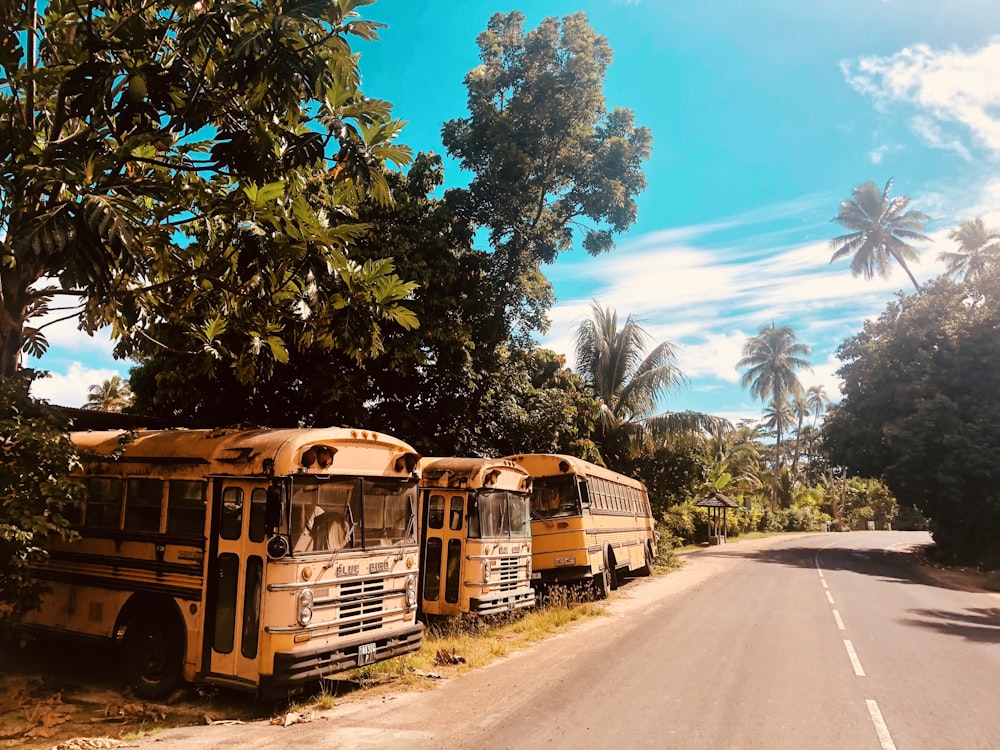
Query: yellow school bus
(475, 536)
(256, 559)
(589, 524)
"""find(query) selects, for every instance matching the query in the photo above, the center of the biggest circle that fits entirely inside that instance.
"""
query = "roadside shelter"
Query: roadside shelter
(717, 504)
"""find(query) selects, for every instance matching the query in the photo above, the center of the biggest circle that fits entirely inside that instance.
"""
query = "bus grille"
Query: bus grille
(366, 603)
(508, 572)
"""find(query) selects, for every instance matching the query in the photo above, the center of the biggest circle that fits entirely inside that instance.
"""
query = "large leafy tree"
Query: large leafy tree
(417, 385)
(921, 409)
(167, 164)
(880, 230)
(978, 248)
(546, 157)
(771, 360)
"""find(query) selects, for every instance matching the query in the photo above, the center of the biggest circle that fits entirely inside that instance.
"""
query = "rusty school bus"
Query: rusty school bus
(475, 534)
(589, 524)
(256, 559)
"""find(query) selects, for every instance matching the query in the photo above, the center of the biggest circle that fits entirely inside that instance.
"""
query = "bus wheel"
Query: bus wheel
(151, 656)
(612, 566)
(602, 582)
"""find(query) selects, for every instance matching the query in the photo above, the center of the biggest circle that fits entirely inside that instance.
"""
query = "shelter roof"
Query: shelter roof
(716, 500)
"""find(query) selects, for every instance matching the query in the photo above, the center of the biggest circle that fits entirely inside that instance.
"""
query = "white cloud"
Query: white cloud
(945, 87)
(709, 300)
(70, 388)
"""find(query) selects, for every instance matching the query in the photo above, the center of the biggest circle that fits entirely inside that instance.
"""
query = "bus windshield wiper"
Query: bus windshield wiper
(348, 539)
(538, 516)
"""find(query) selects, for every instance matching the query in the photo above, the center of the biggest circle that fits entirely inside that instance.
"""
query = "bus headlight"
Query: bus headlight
(305, 606)
(486, 571)
(411, 591)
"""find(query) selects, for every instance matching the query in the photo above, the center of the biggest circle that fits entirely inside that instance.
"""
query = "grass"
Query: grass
(992, 581)
(454, 646)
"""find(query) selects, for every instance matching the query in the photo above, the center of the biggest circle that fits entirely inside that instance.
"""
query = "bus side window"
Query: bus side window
(143, 505)
(186, 508)
(584, 493)
(435, 512)
(104, 503)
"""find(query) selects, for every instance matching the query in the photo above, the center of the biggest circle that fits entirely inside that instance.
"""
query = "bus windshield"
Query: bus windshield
(499, 513)
(351, 513)
(553, 497)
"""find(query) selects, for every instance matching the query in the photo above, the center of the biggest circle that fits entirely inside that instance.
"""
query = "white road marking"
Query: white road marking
(826, 585)
(840, 623)
(829, 597)
(880, 726)
(855, 661)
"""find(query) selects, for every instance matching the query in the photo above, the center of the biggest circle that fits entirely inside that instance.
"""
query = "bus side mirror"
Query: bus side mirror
(274, 509)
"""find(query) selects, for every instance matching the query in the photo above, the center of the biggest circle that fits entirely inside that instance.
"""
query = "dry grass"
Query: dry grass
(454, 646)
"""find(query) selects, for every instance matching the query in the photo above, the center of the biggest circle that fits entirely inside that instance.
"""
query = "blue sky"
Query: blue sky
(764, 117)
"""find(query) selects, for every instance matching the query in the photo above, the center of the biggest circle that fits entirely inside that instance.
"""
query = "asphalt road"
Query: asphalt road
(835, 641)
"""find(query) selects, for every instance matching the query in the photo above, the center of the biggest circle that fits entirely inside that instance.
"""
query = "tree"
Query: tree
(978, 248)
(921, 410)
(545, 156)
(627, 381)
(113, 394)
(37, 499)
(879, 229)
(421, 384)
(165, 165)
(817, 401)
(772, 358)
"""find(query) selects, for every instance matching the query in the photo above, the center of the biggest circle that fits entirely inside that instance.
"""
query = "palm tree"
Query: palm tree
(879, 228)
(771, 358)
(113, 394)
(628, 383)
(978, 247)
(817, 401)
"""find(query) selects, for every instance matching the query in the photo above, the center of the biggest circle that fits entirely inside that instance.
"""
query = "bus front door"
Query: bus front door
(444, 541)
(236, 580)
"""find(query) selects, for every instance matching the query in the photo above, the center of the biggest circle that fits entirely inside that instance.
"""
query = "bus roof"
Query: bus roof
(555, 464)
(498, 473)
(254, 451)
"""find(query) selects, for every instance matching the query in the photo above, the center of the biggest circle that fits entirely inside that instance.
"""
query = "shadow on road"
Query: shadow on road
(977, 625)
(905, 565)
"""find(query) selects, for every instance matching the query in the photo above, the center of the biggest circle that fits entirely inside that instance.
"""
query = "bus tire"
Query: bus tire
(612, 566)
(602, 582)
(151, 654)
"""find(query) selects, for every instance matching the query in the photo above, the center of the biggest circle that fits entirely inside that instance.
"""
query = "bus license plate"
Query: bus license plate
(366, 654)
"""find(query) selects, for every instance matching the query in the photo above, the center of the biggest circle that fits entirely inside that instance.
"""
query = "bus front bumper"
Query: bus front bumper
(292, 669)
(503, 602)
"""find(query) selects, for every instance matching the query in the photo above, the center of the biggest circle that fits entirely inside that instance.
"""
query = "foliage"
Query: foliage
(771, 358)
(626, 380)
(922, 411)
(36, 497)
(978, 249)
(545, 156)
(879, 230)
(538, 406)
(114, 394)
(166, 164)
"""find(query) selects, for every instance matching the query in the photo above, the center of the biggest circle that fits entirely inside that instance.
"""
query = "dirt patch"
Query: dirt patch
(56, 696)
